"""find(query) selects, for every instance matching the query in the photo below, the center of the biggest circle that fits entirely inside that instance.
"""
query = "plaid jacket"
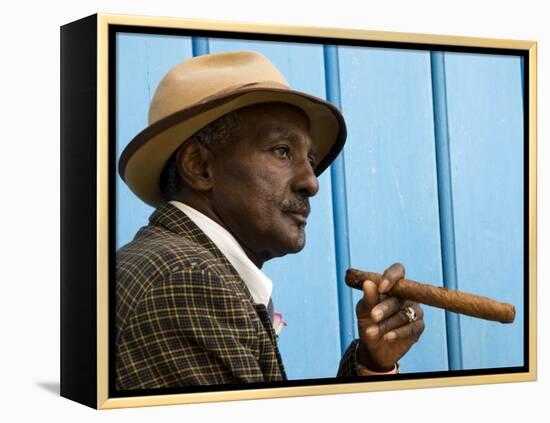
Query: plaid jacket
(184, 316)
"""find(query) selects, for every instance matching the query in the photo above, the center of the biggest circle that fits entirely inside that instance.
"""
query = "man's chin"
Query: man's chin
(293, 247)
(297, 244)
(297, 249)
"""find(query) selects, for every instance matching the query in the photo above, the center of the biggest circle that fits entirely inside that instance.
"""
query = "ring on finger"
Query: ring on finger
(410, 313)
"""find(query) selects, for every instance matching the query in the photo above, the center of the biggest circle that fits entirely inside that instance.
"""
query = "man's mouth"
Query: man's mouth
(299, 217)
(298, 210)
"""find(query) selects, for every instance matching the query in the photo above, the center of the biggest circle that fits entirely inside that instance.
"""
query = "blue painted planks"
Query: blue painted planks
(446, 218)
(484, 100)
(390, 189)
(340, 210)
(142, 60)
(304, 284)
(391, 177)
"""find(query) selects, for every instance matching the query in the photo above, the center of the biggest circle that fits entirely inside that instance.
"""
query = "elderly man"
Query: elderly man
(230, 160)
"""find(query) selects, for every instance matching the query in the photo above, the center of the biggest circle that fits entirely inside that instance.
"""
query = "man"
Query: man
(230, 160)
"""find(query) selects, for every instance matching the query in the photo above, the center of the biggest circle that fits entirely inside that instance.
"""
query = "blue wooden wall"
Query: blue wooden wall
(431, 176)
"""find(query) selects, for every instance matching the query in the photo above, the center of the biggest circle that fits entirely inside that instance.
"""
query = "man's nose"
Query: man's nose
(306, 181)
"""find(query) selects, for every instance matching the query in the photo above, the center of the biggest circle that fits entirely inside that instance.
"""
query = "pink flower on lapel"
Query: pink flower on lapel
(278, 322)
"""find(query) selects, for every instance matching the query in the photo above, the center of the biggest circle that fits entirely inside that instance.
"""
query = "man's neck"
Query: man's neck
(203, 206)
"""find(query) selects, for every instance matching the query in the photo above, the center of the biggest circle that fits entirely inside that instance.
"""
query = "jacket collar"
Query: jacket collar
(173, 219)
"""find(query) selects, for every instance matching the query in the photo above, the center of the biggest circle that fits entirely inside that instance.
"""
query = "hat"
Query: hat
(198, 91)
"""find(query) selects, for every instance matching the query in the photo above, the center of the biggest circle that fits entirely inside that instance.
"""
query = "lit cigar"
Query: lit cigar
(455, 301)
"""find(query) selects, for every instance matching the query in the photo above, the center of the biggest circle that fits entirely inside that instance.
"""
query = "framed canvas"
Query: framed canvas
(438, 172)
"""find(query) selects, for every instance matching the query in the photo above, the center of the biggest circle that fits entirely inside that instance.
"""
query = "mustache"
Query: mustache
(300, 206)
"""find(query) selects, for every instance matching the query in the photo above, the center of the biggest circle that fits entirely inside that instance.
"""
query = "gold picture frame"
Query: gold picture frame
(89, 39)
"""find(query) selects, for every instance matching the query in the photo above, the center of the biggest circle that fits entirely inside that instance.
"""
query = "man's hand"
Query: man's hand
(385, 330)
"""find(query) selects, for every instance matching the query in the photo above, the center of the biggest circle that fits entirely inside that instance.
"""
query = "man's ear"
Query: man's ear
(194, 165)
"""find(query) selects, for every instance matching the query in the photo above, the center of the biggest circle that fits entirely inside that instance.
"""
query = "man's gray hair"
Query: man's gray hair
(216, 133)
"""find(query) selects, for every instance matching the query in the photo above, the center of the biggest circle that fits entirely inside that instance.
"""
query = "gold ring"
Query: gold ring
(411, 314)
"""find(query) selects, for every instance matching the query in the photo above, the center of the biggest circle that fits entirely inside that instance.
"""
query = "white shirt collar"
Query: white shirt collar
(259, 285)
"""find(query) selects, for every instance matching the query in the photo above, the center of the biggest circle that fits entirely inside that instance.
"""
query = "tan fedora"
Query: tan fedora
(198, 91)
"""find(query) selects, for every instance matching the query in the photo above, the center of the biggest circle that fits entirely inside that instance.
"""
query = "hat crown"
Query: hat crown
(197, 79)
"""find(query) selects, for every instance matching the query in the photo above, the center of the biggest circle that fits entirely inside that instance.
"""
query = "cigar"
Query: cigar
(448, 299)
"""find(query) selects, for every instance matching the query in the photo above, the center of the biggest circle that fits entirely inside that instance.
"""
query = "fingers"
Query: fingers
(385, 309)
(399, 319)
(369, 300)
(411, 331)
(391, 275)
(395, 318)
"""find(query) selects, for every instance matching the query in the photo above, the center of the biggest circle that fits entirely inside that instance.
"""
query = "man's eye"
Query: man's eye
(282, 151)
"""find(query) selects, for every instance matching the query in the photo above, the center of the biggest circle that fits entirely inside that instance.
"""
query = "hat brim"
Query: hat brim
(144, 158)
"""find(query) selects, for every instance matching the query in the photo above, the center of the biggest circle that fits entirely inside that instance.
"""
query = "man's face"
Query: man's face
(262, 181)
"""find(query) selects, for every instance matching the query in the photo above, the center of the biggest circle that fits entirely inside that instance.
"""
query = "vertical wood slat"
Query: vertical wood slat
(444, 183)
(142, 60)
(200, 46)
(340, 207)
(521, 64)
(485, 121)
(391, 178)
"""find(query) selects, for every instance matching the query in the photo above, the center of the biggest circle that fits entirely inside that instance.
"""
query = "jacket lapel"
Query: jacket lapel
(173, 219)
(263, 314)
